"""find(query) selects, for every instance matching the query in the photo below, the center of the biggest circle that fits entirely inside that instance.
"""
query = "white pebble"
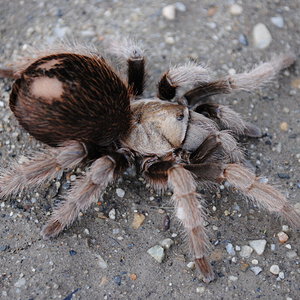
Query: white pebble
(230, 249)
(157, 252)
(86, 231)
(233, 278)
(291, 254)
(234, 259)
(281, 275)
(120, 193)
(256, 270)
(235, 9)
(278, 21)
(254, 262)
(191, 265)
(258, 246)
(169, 12)
(246, 251)
(237, 248)
(261, 36)
(274, 269)
(72, 177)
(112, 214)
(169, 40)
(166, 243)
(289, 246)
(273, 247)
(101, 262)
(20, 282)
(200, 289)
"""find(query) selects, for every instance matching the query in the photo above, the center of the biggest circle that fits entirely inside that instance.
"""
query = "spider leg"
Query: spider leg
(248, 81)
(42, 167)
(85, 191)
(187, 207)
(227, 118)
(181, 76)
(134, 55)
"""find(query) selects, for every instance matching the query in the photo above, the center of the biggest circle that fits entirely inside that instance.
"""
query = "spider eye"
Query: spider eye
(180, 117)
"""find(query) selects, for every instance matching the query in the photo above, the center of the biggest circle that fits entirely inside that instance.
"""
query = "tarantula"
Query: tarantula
(87, 114)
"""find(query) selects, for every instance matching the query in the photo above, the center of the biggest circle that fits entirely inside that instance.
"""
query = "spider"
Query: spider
(78, 105)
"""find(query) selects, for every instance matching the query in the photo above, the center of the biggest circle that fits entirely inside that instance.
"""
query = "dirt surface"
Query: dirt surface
(71, 266)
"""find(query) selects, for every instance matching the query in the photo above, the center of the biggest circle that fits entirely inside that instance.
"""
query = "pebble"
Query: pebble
(20, 282)
(120, 193)
(274, 269)
(243, 40)
(283, 175)
(296, 83)
(282, 237)
(256, 270)
(72, 177)
(138, 220)
(273, 247)
(246, 251)
(117, 280)
(284, 126)
(235, 9)
(169, 40)
(101, 262)
(4, 247)
(233, 278)
(157, 252)
(230, 249)
(180, 6)
(258, 246)
(281, 275)
(166, 243)
(285, 228)
(291, 254)
(169, 12)
(112, 214)
(133, 276)
(191, 265)
(278, 21)
(72, 252)
(244, 267)
(254, 262)
(200, 289)
(261, 36)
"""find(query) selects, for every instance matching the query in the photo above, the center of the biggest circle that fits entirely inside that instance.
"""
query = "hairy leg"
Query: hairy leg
(189, 74)
(187, 207)
(85, 191)
(247, 81)
(134, 55)
(42, 167)
(227, 118)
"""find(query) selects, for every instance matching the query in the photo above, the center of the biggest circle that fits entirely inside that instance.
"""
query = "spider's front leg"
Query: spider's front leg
(134, 55)
(86, 190)
(187, 207)
(41, 167)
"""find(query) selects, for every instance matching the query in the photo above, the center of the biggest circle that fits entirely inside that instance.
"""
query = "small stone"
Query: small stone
(120, 193)
(234, 259)
(284, 126)
(235, 9)
(281, 275)
(261, 36)
(233, 278)
(289, 246)
(101, 262)
(274, 269)
(180, 6)
(4, 247)
(243, 40)
(273, 247)
(169, 12)
(138, 220)
(200, 289)
(191, 265)
(254, 262)
(256, 270)
(157, 252)
(246, 251)
(244, 267)
(237, 248)
(72, 252)
(230, 249)
(291, 254)
(212, 10)
(86, 231)
(118, 280)
(296, 83)
(112, 214)
(285, 228)
(166, 243)
(72, 177)
(169, 40)
(21, 282)
(133, 276)
(258, 246)
(282, 237)
(283, 175)
(278, 21)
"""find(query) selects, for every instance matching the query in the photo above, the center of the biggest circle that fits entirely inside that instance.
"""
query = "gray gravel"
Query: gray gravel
(105, 258)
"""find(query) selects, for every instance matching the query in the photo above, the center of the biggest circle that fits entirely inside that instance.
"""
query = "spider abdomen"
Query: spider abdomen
(67, 96)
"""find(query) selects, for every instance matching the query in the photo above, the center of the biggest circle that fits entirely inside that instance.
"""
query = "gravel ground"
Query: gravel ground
(106, 258)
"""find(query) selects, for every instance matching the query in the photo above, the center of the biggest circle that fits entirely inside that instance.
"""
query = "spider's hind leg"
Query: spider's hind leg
(133, 53)
(41, 167)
